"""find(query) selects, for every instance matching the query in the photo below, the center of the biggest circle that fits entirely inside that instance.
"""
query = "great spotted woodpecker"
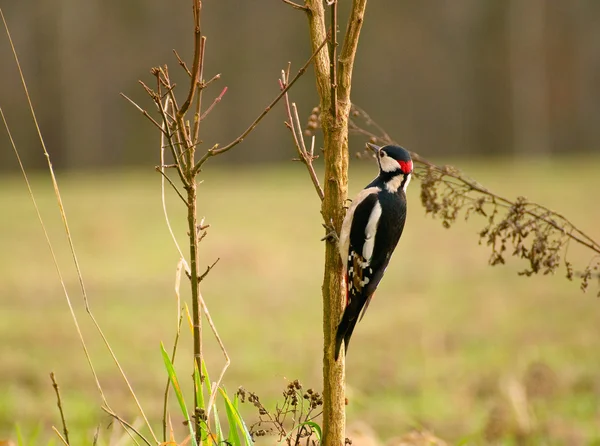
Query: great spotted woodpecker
(370, 232)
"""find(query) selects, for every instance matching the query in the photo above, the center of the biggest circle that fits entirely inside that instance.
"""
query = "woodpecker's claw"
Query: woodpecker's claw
(332, 235)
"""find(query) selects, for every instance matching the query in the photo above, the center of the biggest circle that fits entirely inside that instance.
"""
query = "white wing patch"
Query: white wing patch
(370, 232)
(344, 244)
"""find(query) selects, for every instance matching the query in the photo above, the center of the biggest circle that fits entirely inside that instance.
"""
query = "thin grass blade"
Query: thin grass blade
(235, 419)
(177, 390)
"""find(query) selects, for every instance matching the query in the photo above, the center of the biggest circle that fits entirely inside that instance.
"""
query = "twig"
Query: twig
(215, 102)
(143, 112)
(196, 63)
(162, 193)
(182, 63)
(161, 171)
(217, 151)
(200, 89)
(126, 424)
(63, 439)
(296, 129)
(296, 6)
(201, 278)
(60, 407)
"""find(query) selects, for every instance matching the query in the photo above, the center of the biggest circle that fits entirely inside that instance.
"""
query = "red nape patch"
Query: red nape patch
(406, 166)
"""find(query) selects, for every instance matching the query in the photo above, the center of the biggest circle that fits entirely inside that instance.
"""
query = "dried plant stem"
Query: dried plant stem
(293, 124)
(128, 427)
(61, 438)
(60, 407)
(180, 266)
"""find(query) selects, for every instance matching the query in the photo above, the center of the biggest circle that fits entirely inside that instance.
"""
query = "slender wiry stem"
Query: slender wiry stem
(295, 5)
(60, 407)
(215, 102)
(126, 424)
(295, 128)
(197, 118)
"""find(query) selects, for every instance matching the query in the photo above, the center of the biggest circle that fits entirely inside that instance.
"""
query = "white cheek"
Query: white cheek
(389, 164)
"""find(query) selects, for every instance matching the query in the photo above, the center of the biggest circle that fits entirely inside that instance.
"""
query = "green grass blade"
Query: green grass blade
(218, 430)
(200, 389)
(315, 428)
(19, 435)
(234, 437)
(177, 390)
(235, 420)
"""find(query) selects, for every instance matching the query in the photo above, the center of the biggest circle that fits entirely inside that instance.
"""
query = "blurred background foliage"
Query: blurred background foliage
(460, 77)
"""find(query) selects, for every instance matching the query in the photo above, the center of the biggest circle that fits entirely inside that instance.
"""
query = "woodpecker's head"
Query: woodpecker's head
(395, 166)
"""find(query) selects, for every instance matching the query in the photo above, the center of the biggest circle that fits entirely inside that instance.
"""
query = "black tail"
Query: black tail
(344, 331)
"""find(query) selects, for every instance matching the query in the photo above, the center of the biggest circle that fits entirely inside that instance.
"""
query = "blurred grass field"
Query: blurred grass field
(448, 344)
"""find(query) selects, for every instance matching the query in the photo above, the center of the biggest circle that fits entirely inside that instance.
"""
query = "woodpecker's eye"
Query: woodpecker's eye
(382, 154)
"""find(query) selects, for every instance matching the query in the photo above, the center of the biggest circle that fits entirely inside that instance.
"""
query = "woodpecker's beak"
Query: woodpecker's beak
(373, 148)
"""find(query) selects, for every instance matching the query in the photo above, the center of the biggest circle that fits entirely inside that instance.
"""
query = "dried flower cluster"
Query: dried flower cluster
(293, 419)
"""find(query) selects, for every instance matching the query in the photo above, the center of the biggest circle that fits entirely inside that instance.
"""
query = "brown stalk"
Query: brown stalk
(60, 408)
(334, 122)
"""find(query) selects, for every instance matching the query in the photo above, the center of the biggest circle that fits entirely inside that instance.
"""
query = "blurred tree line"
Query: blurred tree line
(443, 77)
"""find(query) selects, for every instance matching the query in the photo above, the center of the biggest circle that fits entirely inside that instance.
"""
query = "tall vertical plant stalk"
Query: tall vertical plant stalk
(334, 79)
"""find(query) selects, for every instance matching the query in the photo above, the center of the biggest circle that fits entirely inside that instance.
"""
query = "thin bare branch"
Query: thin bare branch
(215, 102)
(160, 170)
(61, 438)
(182, 63)
(143, 112)
(201, 278)
(196, 63)
(349, 47)
(197, 118)
(126, 424)
(60, 407)
(296, 6)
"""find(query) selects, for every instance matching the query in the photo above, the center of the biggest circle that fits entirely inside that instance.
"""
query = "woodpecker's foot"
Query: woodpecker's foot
(332, 235)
